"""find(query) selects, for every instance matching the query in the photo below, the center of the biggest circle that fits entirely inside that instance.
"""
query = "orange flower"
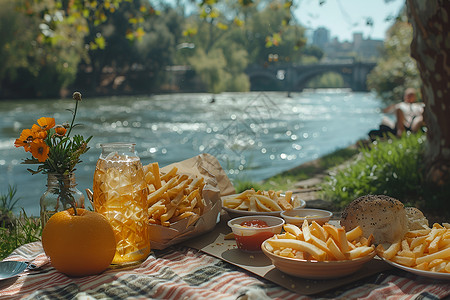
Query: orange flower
(39, 132)
(39, 150)
(46, 123)
(51, 146)
(36, 128)
(60, 130)
(25, 139)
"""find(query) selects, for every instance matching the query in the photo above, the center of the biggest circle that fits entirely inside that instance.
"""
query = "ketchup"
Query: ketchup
(255, 224)
(253, 242)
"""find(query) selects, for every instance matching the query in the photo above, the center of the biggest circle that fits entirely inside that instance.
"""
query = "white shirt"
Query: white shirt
(410, 111)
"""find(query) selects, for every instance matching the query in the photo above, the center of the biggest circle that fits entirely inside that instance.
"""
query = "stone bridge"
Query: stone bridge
(295, 77)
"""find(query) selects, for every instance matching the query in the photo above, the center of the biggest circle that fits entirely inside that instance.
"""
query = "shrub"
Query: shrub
(391, 167)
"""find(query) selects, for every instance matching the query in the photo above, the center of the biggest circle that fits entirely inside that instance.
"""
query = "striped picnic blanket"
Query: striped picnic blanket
(185, 273)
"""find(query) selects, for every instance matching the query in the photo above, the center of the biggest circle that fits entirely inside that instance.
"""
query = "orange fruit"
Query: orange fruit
(79, 245)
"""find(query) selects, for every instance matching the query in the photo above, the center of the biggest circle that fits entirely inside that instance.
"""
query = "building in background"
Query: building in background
(321, 37)
(358, 48)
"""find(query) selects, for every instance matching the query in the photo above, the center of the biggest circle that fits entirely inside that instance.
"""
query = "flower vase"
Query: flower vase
(60, 194)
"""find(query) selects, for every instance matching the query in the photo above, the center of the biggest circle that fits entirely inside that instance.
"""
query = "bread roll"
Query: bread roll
(380, 215)
(416, 219)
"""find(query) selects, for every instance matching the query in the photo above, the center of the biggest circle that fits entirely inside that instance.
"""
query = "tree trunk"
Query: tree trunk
(431, 49)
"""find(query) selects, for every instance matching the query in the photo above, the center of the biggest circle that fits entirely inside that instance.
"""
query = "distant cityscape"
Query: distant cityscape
(365, 49)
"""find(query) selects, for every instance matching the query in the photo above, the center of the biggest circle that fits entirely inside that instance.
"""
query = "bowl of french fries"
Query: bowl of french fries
(424, 252)
(315, 251)
(251, 202)
(297, 216)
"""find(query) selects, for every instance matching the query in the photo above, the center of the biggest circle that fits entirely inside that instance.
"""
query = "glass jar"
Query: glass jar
(120, 194)
(60, 194)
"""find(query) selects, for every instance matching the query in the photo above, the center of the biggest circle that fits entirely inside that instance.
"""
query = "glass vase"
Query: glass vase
(60, 194)
(120, 194)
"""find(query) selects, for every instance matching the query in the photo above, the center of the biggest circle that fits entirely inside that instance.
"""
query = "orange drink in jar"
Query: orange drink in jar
(120, 194)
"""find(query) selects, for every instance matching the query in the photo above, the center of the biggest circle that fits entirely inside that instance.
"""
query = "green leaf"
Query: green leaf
(100, 42)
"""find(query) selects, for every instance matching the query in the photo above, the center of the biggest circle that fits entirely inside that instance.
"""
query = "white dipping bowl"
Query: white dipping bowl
(249, 239)
(297, 216)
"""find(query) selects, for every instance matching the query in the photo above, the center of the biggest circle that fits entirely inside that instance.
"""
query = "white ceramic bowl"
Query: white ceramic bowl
(297, 216)
(249, 239)
(233, 213)
(312, 269)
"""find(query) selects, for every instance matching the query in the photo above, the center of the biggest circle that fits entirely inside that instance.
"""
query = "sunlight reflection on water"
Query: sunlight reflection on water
(254, 135)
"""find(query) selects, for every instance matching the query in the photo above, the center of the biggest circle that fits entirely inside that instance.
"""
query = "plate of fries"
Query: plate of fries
(251, 202)
(424, 252)
(315, 251)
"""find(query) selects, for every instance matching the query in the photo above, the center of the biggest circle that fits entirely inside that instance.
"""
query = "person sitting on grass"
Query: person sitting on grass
(409, 117)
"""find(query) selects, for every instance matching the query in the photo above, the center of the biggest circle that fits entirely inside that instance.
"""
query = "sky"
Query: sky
(343, 17)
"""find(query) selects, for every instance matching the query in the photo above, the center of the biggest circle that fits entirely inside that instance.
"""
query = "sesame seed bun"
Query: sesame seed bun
(382, 216)
(416, 219)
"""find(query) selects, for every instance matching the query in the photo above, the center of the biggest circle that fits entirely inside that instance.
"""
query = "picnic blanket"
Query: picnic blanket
(185, 273)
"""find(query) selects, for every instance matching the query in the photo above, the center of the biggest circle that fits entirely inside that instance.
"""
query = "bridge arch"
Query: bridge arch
(264, 80)
(302, 83)
(295, 77)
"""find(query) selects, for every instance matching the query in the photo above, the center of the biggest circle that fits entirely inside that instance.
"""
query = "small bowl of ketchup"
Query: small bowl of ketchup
(251, 231)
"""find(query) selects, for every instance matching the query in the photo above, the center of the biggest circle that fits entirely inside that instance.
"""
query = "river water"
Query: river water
(254, 135)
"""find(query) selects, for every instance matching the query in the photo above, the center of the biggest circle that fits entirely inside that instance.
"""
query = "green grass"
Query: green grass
(24, 230)
(15, 231)
(390, 167)
(243, 185)
(8, 201)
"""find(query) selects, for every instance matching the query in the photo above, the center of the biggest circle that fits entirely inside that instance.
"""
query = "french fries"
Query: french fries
(173, 196)
(424, 249)
(321, 243)
(261, 201)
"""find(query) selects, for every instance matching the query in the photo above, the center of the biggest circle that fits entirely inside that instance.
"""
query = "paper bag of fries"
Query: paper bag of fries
(184, 199)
